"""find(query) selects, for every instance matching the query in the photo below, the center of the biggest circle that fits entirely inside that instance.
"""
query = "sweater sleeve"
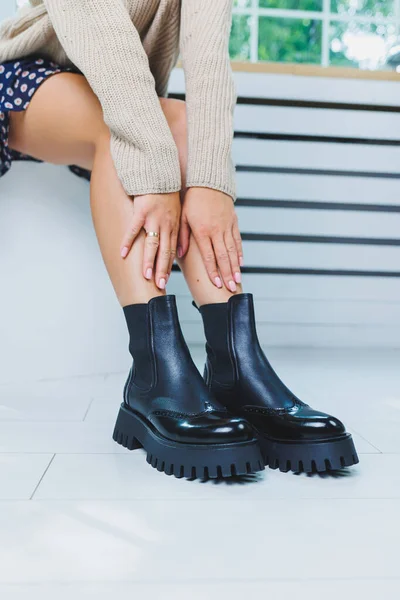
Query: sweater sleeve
(210, 93)
(99, 37)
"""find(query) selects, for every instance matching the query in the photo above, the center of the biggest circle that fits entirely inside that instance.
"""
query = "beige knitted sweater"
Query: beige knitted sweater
(126, 49)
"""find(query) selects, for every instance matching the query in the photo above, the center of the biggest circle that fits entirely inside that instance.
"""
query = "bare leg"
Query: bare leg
(192, 265)
(64, 125)
(111, 212)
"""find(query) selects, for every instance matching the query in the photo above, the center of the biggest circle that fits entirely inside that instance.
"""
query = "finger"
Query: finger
(238, 241)
(134, 230)
(233, 255)
(224, 263)
(163, 258)
(208, 256)
(174, 241)
(183, 238)
(151, 245)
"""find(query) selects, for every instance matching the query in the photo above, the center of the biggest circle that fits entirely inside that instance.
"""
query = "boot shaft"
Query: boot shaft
(162, 364)
(231, 335)
(236, 365)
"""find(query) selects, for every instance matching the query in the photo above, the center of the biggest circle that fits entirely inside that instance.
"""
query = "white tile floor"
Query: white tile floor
(83, 518)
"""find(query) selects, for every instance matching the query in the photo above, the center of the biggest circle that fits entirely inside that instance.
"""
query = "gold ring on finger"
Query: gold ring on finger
(152, 234)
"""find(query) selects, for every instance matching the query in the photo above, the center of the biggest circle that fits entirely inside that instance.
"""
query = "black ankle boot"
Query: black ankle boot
(293, 436)
(167, 408)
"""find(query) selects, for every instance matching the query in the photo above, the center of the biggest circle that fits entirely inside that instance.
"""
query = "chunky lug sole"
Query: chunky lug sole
(202, 461)
(309, 457)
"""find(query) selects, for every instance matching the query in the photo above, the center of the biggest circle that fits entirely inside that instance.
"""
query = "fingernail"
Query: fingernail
(149, 273)
(180, 252)
(124, 252)
(238, 278)
(241, 261)
(218, 282)
(232, 286)
(161, 285)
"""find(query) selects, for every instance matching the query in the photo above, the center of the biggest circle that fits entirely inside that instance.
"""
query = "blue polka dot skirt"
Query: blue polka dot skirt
(19, 80)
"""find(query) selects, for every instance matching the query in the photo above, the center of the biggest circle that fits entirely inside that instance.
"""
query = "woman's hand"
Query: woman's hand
(159, 213)
(210, 216)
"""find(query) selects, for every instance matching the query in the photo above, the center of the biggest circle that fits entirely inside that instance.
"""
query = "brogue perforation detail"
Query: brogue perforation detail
(273, 411)
(181, 415)
(269, 411)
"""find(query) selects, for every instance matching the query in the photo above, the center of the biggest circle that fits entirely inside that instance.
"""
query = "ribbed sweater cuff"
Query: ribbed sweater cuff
(210, 161)
(229, 191)
(155, 172)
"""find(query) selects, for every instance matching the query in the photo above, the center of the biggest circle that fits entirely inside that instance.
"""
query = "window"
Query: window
(349, 33)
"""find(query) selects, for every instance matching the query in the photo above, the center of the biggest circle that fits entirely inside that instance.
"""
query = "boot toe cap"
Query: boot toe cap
(230, 430)
(207, 428)
(322, 425)
(301, 423)
(311, 424)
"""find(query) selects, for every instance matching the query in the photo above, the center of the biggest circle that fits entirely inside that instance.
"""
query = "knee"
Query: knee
(101, 137)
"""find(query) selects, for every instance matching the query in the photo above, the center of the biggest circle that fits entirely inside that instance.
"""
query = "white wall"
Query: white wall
(58, 312)
(59, 316)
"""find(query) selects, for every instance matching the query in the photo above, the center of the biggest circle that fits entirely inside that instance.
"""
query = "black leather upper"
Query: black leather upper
(241, 378)
(164, 385)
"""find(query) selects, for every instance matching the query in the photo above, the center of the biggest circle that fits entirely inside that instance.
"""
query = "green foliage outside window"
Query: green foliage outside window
(354, 33)
(289, 40)
(364, 7)
(239, 46)
(292, 4)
